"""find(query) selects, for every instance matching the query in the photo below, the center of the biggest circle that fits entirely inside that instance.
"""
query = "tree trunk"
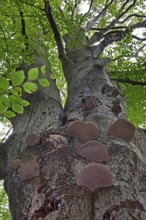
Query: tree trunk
(51, 191)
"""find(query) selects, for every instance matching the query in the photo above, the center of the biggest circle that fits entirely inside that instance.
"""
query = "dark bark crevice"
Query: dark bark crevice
(3, 160)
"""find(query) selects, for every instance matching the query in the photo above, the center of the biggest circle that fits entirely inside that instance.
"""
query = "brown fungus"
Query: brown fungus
(95, 175)
(15, 164)
(33, 139)
(89, 104)
(29, 170)
(83, 131)
(94, 152)
(116, 109)
(123, 129)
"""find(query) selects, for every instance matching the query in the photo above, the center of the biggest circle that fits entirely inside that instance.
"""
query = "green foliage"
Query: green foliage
(4, 211)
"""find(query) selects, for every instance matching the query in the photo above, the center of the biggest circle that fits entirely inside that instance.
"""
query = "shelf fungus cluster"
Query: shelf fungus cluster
(94, 174)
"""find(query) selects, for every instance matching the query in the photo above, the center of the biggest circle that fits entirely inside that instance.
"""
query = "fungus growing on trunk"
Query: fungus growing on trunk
(15, 164)
(28, 170)
(89, 104)
(123, 129)
(83, 131)
(94, 152)
(33, 139)
(95, 175)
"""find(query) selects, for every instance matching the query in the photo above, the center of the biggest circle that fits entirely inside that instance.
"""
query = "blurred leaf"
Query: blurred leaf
(43, 82)
(33, 74)
(30, 87)
(4, 84)
(18, 108)
(43, 69)
(9, 114)
(17, 78)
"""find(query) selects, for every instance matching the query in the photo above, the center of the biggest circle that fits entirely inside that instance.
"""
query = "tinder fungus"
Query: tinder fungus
(94, 152)
(95, 175)
(28, 170)
(123, 129)
(83, 131)
(15, 164)
(32, 140)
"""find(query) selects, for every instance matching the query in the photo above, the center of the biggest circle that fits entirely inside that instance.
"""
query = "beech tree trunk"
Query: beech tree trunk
(52, 192)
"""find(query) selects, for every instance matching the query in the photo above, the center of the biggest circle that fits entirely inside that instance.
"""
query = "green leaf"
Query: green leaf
(9, 114)
(43, 82)
(4, 84)
(5, 101)
(33, 74)
(17, 108)
(30, 87)
(17, 78)
(2, 106)
(43, 69)
(24, 103)
(14, 99)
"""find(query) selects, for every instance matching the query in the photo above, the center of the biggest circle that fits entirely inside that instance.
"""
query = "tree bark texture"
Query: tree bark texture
(52, 193)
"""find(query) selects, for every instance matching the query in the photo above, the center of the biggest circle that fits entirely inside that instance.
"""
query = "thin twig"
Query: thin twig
(129, 81)
(132, 15)
(99, 16)
(6, 135)
(32, 5)
(57, 36)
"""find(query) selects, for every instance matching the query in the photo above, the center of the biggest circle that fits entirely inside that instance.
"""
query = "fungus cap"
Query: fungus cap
(123, 129)
(29, 170)
(33, 139)
(94, 151)
(83, 131)
(89, 104)
(95, 175)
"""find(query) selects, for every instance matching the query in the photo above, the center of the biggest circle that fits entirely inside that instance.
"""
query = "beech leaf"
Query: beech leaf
(4, 83)
(33, 74)
(30, 87)
(17, 78)
(44, 82)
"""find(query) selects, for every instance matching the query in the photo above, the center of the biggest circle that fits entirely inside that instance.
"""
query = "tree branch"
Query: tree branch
(138, 38)
(90, 7)
(109, 37)
(132, 15)
(112, 24)
(129, 81)
(98, 17)
(23, 29)
(57, 36)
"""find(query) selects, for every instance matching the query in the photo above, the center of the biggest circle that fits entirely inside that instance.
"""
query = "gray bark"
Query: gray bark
(54, 193)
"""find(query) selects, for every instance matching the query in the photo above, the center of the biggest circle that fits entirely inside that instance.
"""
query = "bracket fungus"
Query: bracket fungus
(95, 175)
(33, 139)
(123, 129)
(89, 104)
(83, 131)
(94, 151)
(29, 170)
(15, 164)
